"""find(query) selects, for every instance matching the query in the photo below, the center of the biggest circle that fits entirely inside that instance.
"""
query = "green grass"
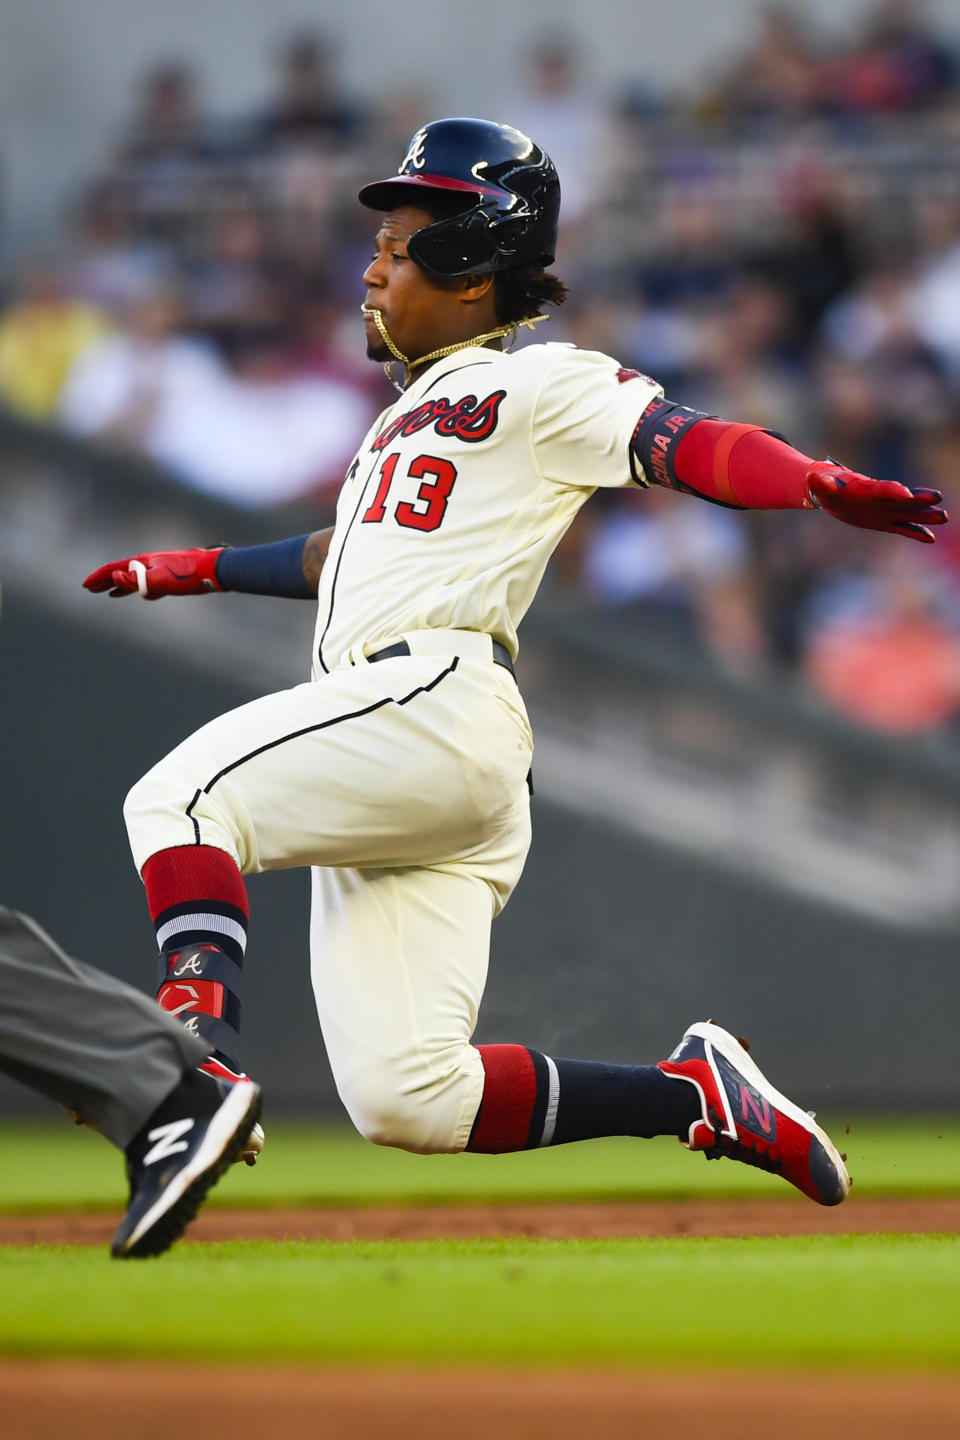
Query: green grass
(854, 1302)
(57, 1167)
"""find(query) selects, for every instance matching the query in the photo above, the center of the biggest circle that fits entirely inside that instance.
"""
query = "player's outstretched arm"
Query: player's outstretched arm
(746, 467)
(287, 568)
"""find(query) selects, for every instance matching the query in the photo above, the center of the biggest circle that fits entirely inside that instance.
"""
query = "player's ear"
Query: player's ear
(475, 287)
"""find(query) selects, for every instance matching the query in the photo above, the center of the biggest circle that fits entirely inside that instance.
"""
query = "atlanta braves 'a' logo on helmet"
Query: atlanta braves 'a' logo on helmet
(414, 158)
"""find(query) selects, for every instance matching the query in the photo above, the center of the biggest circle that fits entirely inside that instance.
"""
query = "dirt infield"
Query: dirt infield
(91, 1400)
(867, 1216)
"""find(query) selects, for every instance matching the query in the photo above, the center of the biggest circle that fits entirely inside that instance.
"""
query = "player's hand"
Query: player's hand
(164, 572)
(874, 504)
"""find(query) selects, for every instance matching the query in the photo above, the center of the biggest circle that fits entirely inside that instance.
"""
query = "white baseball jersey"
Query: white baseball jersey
(463, 488)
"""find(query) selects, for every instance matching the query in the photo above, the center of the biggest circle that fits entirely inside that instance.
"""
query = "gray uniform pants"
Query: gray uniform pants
(84, 1039)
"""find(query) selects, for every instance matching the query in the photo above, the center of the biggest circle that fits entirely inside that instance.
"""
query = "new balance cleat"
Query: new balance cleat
(220, 1070)
(744, 1118)
(178, 1156)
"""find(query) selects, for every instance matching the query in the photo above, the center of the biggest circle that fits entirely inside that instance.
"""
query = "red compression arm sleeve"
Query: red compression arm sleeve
(742, 465)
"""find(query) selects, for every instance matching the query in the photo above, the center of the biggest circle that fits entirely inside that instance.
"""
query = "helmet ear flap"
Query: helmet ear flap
(509, 233)
(469, 243)
(462, 244)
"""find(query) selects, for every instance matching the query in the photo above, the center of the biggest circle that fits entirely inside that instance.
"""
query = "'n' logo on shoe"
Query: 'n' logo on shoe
(749, 1109)
(756, 1113)
(168, 1140)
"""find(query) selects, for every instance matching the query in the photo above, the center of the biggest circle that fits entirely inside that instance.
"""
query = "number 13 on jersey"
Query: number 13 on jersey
(427, 512)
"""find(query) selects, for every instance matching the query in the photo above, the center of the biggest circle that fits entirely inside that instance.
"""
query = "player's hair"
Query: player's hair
(523, 291)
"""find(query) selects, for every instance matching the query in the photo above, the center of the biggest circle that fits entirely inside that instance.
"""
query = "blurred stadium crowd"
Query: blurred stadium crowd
(782, 247)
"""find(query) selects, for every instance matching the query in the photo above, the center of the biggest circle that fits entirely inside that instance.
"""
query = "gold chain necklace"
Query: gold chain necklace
(444, 351)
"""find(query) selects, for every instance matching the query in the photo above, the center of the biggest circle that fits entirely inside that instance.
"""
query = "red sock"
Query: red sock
(516, 1088)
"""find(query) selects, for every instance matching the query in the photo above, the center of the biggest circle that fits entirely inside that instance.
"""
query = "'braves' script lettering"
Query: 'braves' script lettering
(468, 419)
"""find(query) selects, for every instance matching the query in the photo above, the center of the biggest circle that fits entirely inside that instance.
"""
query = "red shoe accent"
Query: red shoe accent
(220, 1071)
(250, 1152)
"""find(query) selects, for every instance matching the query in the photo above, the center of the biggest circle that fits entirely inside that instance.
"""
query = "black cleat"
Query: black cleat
(180, 1154)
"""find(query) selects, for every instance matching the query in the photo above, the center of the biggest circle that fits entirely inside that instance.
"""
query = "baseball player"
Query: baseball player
(108, 1055)
(399, 771)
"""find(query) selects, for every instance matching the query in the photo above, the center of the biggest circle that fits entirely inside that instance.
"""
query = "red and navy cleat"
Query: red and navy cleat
(744, 1118)
(250, 1151)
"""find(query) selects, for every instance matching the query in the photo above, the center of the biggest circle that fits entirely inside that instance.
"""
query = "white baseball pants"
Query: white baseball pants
(403, 783)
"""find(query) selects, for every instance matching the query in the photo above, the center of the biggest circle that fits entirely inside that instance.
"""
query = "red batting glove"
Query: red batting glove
(873, 504)
(167, 572)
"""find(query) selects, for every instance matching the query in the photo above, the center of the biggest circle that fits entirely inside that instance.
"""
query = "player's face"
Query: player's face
(421, 314)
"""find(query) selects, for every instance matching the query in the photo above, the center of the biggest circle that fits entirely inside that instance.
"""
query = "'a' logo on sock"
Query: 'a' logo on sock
(190, 965)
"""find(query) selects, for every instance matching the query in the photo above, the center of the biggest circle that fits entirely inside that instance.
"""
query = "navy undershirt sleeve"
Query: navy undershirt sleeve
(274, 569)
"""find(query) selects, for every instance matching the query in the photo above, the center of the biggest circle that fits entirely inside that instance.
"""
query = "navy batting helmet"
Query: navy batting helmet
(510, 190)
